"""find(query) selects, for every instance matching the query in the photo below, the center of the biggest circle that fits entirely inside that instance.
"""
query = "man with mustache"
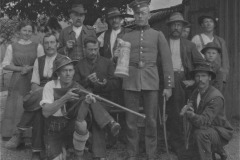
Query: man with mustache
(96, 73)
(184, 56)
(149, 56)
(208, 25)
(72, 37)
(205, 111)
(108, 39)
(32, 116)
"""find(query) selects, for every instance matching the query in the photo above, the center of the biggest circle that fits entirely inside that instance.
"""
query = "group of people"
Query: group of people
(53, 85)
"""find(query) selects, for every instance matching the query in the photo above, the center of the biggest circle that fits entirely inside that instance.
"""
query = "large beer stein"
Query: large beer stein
(123, 54)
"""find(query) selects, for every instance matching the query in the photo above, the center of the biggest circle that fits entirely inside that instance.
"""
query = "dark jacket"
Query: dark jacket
(106, 50)
(189, 56)
(77, 51)
(211, 112)
(104, 69)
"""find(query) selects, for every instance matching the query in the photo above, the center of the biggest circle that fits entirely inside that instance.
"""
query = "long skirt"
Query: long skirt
(19, 86)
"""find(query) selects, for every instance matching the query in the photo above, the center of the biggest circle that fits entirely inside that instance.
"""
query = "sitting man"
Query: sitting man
(209, 129)
(32, 115)
(96, 73)
(65, 111)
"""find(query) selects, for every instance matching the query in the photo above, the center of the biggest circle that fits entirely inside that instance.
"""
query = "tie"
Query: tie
(198, 99)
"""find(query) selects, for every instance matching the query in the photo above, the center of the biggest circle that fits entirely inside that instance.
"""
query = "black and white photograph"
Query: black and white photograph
(120, 79)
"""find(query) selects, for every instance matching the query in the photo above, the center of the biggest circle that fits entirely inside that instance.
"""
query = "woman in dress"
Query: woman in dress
(19, 59)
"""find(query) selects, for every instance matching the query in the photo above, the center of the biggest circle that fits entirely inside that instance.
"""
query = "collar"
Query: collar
(70, 29)
(142, 27)
(203, 92)
(77, 28)
(51, 57)
(116, 31)
(93, 62)
(22, 41)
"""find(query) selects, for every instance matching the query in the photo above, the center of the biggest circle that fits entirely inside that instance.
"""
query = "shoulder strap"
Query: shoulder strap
(201, 39)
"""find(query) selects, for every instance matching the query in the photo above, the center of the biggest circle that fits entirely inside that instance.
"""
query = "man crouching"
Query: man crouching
(209, 128)
(65, 113)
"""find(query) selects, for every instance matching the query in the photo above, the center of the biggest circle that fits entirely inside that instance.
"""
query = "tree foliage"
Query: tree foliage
(30, 9)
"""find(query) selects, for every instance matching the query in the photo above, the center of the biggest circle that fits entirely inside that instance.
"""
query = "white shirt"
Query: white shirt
(113, 38)
(47, 71)
(197, 40)
(176, 55)
(77, 31)
(9, 55)
(48, 95)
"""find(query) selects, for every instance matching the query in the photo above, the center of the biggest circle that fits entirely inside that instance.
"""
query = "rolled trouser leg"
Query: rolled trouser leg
(80, 136)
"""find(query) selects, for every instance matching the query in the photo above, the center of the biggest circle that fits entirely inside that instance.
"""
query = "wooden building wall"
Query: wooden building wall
(228, 14)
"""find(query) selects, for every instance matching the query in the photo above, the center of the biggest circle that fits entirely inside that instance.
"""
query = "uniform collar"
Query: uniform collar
(142, 27)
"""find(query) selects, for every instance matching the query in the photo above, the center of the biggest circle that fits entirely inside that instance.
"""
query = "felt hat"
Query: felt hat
(204, 67)
(78, 8)
(201, 18)
(113, 12)
(211, 45)
(177, 17)
(60, 62)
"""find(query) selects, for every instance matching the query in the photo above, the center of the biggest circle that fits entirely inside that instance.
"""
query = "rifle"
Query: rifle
(59, 92)
(80, 90)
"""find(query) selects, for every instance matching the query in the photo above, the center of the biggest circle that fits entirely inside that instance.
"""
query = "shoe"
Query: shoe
(221, 152)
(36, 156)
(14, 142)
(114, 127)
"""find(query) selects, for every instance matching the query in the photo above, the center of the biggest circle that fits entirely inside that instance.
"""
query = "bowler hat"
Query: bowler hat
(60, 62)
(201, 18)
(113, 12)
(136, 4)
(211, 45)
(204, 67)
(78, 8)
(176, 17)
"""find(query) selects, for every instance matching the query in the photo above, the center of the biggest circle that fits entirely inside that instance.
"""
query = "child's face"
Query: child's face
(211, 54)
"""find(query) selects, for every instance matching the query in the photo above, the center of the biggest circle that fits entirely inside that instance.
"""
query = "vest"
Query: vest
(107, 45)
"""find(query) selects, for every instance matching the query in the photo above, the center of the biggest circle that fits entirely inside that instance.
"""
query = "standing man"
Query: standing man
(184, 57)
(71, 38)
(147, 47)
(96, 73)
(208, 24)
(108, 38)
(205, 111)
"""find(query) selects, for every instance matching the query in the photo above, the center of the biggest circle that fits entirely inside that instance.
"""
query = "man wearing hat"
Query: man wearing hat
(184, 56)
(32, 116)
(211, 51)
(205, 111)
(208, 24)
(65, 110)
(149, 51)
(71, 38)
(108, 38)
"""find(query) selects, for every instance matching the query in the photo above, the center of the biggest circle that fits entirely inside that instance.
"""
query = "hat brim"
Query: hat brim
(203, 51)
(116, 15)
(192, 73)
(74, 62)
(185, 23)
(77, 11)
(201, 18)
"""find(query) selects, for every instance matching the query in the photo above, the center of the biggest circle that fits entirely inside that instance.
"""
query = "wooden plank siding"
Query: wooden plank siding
(228, 14)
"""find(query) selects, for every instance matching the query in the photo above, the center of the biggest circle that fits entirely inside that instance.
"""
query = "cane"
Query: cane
(164, 126)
